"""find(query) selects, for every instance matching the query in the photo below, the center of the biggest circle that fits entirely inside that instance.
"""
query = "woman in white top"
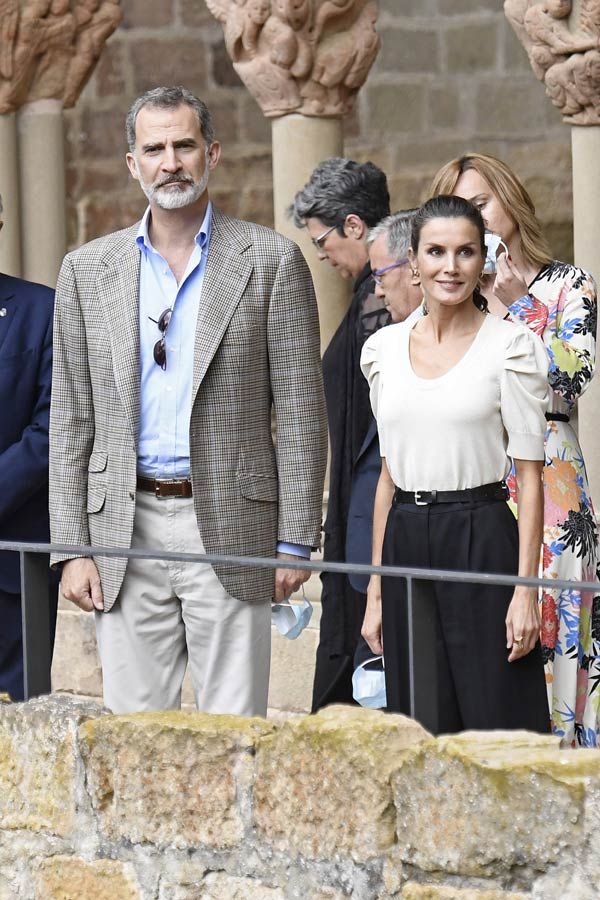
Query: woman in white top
(457, 395)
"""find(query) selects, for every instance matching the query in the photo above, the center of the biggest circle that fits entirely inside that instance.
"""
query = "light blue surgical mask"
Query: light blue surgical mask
(368, 685)
(290, 619)
(493, 243)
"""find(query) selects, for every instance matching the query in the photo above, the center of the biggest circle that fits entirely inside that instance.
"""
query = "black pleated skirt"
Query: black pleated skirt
(477, 688)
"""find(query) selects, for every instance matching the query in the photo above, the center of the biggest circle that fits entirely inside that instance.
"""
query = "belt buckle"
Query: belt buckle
(158, 486)
(419, 502)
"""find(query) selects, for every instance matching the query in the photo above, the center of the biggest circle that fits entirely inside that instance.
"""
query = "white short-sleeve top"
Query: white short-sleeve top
(459, 430)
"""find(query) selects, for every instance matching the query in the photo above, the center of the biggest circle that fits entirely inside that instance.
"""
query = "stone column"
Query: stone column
(42, 179)
(563, 45)
(47, 53)
(299, 144)
(10, 236)
(304, 63)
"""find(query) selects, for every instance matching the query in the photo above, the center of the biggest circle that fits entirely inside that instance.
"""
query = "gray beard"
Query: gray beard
(179, 197)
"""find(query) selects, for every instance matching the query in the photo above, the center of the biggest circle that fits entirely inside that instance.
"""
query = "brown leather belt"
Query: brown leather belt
(165, 487)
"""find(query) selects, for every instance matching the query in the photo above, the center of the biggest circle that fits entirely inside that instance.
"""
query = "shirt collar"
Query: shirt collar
(202, 237)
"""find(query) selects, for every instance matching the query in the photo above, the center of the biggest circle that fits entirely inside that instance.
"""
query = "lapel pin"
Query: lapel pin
(3, 311)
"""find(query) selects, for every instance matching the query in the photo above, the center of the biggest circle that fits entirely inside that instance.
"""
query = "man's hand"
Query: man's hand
(80, 583)
(288, 580)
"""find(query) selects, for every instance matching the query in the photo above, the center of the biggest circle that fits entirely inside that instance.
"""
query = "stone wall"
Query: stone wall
(451, 76)
(348, 803)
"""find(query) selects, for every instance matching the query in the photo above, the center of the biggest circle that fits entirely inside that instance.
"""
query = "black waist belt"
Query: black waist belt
(495, 491)
(557, 417)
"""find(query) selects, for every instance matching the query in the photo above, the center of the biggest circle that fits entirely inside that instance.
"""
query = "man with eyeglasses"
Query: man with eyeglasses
(396, 283)
(25, 382)
(174, 341)
(342, 200)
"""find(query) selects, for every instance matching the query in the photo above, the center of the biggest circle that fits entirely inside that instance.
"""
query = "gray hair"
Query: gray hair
(170, 98)
(397, 228)
(340, 187)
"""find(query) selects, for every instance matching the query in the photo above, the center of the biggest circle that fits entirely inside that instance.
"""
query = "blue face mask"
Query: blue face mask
(290, 619)
(368, 685)
(493, 244)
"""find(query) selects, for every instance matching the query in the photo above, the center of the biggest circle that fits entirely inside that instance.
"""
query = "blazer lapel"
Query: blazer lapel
(7, 309)
(118, 289)
(225, 279)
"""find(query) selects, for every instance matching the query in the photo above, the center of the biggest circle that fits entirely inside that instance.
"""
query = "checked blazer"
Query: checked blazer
(256, 350)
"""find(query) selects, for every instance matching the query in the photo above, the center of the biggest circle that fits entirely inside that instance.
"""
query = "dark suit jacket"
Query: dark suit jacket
(359, 531)
(25, 381)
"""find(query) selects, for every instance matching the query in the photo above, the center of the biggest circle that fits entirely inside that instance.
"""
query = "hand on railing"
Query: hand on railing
(80, 583)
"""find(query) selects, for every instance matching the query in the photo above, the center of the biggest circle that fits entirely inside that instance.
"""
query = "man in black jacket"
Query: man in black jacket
(342, 200)
(26, 373)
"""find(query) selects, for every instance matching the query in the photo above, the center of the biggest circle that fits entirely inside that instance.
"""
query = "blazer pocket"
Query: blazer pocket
(258, 487)
(96, 496)
(98, 461)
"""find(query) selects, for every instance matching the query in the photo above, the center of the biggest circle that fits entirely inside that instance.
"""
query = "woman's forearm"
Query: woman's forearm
(530, 498)
(383, 501)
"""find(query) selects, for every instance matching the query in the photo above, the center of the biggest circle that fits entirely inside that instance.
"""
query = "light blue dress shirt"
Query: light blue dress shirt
(166, 394)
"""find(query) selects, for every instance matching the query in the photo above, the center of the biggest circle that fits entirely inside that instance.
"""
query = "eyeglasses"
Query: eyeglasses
(318, 241)
(160, 347)
(378, 273)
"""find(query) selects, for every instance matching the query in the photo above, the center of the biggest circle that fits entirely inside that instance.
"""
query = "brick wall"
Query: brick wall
(451, 76)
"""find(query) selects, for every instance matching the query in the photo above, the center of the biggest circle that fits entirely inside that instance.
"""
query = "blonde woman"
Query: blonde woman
(557, 301)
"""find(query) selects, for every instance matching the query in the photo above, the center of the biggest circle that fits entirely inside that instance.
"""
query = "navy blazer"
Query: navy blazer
(26, 311)
(359, 530)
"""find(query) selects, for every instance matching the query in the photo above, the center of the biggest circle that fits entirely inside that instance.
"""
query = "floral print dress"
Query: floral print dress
(561, 308)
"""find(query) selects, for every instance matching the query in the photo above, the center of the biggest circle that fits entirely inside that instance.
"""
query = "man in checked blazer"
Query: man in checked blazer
(174, 340)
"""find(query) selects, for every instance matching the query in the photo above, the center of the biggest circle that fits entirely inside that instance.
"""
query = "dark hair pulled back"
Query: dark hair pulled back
(447, 206)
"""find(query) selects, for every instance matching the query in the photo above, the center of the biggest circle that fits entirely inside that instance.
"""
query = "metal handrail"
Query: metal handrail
(419, 698)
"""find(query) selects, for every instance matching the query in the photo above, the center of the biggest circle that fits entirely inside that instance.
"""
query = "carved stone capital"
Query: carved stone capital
(48, 48)
(302, 56)
(563, 53)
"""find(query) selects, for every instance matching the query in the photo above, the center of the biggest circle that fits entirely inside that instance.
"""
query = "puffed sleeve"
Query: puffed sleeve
(569, 330)
(524, 394)
(370, 364)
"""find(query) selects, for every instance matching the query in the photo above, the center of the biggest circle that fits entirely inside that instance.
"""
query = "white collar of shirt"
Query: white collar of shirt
(202, 237)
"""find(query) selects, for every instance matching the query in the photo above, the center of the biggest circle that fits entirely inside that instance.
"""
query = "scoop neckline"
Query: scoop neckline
(457, 365)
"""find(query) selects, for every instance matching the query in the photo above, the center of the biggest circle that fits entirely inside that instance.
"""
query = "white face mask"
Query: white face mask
(290, 619)
(493, 243)
(368, 685)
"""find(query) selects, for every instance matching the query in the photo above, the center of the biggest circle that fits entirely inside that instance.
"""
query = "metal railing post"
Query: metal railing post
(35, 619)
(418, 667)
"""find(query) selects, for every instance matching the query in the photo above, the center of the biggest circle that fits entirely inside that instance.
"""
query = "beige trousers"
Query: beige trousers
(170, 613)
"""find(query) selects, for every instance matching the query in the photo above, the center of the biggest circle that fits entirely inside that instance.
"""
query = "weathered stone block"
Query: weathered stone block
(68, 878)
(170, 778)
(517, 107)
(75, 663)
(220, 886)
(323, 782)
(409, 50)
(292, 670)
(39, 763)
(160, 61)
(414, 891)
(503, 799)
(472, 48)
(141, 14)
(395, 108)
